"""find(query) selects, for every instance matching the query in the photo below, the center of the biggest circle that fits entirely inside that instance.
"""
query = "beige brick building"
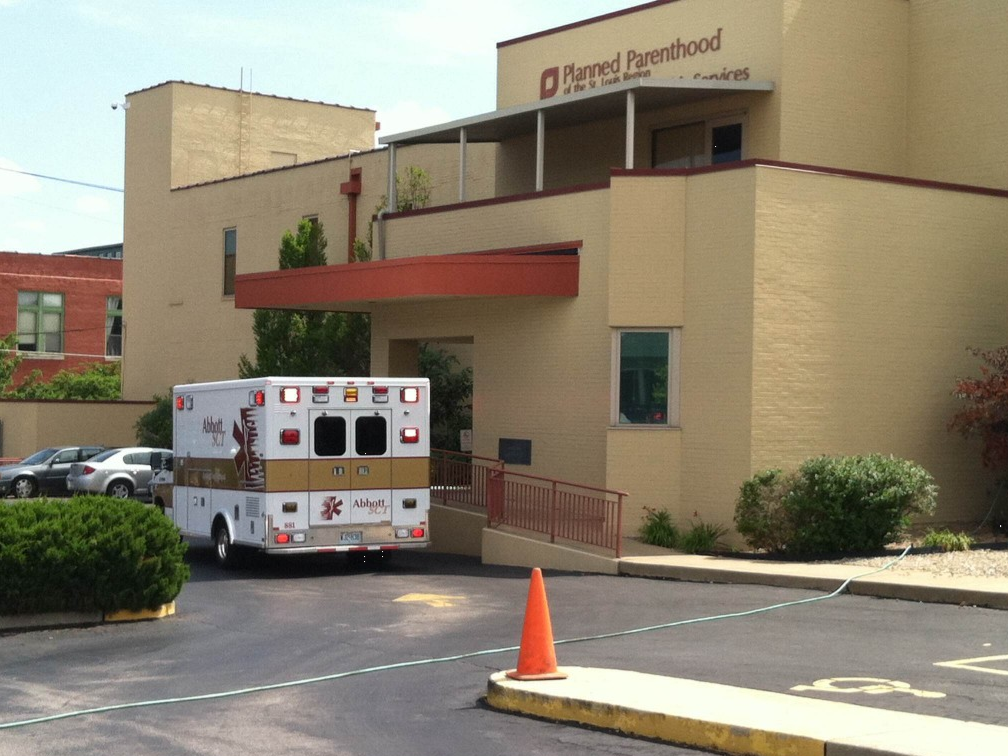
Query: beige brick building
(698, 238)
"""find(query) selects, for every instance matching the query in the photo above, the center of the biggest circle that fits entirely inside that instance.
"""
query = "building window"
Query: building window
(679, 147)
(230, 253)
(646, 380)
(40, 321)
(697, 144)
(726, 143)
(113, 326)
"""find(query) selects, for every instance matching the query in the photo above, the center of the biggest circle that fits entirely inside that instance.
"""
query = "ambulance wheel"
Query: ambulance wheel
(225, 552)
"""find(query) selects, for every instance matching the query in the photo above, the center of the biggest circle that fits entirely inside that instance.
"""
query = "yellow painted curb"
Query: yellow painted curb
(668, 728)
(125, 615)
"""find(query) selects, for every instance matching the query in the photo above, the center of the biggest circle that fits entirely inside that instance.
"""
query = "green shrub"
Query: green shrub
(853, 504)
(87, 553)
(946, 540)
(760, 515)
(658, 529)
(833, 505)
(701, 538)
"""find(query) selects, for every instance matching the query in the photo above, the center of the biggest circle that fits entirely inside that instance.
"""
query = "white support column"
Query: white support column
(540, 148)
(393, 199)
(631, 115)
(462, 163)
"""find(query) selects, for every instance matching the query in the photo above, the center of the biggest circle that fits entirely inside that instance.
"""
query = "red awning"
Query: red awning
(356, 286)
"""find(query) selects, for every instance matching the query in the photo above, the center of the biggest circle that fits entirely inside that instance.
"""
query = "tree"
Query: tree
(451, 396)
(9, 361)
(299, 342)
(98, 381)
(413, 190)
(986, 411)
(154, 428)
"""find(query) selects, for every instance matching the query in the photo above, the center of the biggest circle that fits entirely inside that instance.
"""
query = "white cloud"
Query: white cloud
(92, 204)
(31, 225)
(12, 183)
(407, 115)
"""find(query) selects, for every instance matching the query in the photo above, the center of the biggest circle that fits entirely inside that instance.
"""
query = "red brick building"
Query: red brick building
(65, 309)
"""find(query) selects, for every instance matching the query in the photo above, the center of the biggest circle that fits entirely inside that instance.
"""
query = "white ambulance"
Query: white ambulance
(303, 465)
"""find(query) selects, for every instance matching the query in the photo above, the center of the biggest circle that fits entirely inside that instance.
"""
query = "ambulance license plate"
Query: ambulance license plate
(350, 536)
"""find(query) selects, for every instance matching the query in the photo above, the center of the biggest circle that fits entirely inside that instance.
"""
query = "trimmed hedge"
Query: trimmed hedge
(87, 553)
(834, 505)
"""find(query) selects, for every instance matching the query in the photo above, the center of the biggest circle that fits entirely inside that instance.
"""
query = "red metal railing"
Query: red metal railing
(559, 509)
(458, 478)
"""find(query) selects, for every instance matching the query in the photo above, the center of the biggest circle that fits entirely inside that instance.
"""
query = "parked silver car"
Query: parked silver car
(45, 471)
(116, 472)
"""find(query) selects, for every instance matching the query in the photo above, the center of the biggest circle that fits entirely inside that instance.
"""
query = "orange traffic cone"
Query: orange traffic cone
(536, 657)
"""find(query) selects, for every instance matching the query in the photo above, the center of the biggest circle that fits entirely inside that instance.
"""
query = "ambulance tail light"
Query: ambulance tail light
(409, 435)
(257, 398)
(409, 395)
(290, 436)
(410, 533)
(290, 395)
(282, 538)
(180, 402)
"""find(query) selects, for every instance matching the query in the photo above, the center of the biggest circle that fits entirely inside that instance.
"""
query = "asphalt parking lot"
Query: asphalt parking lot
(306, 621)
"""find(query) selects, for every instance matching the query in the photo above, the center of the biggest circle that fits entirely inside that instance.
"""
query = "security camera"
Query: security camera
(115, 105)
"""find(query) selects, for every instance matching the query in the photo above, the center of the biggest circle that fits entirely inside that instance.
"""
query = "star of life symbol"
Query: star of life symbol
(247, 462)
(331, 506)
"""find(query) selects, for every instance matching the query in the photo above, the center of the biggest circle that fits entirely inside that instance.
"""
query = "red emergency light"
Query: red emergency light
(409, 435)
(290, 436)
(290, 395)
(409, 394)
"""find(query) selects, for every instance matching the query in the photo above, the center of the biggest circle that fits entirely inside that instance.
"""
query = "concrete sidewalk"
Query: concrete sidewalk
(737, 720)
(741, 721)
(865, 581)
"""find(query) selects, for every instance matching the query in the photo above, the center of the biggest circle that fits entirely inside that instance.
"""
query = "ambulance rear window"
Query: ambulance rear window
(371, 436)
(330, 436)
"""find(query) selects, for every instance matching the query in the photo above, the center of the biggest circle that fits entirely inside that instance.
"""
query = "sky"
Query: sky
(64, 62)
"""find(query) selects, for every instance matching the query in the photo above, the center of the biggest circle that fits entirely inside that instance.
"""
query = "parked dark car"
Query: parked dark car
(45, 471)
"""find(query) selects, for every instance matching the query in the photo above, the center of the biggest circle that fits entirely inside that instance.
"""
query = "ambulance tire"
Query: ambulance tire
(225, 552)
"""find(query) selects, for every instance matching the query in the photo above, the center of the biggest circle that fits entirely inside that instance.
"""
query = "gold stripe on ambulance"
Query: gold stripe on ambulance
(411, 472)
(206, 472)
(368, 473)
(329, 473)
(356, 473)
(285, 474)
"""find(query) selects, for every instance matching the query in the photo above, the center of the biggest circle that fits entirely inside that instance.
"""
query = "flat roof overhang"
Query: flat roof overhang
(356, 287)
(589, 105)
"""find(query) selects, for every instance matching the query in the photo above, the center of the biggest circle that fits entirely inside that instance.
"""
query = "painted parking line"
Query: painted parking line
(431, 599)
(873, 686)
(977, 664)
